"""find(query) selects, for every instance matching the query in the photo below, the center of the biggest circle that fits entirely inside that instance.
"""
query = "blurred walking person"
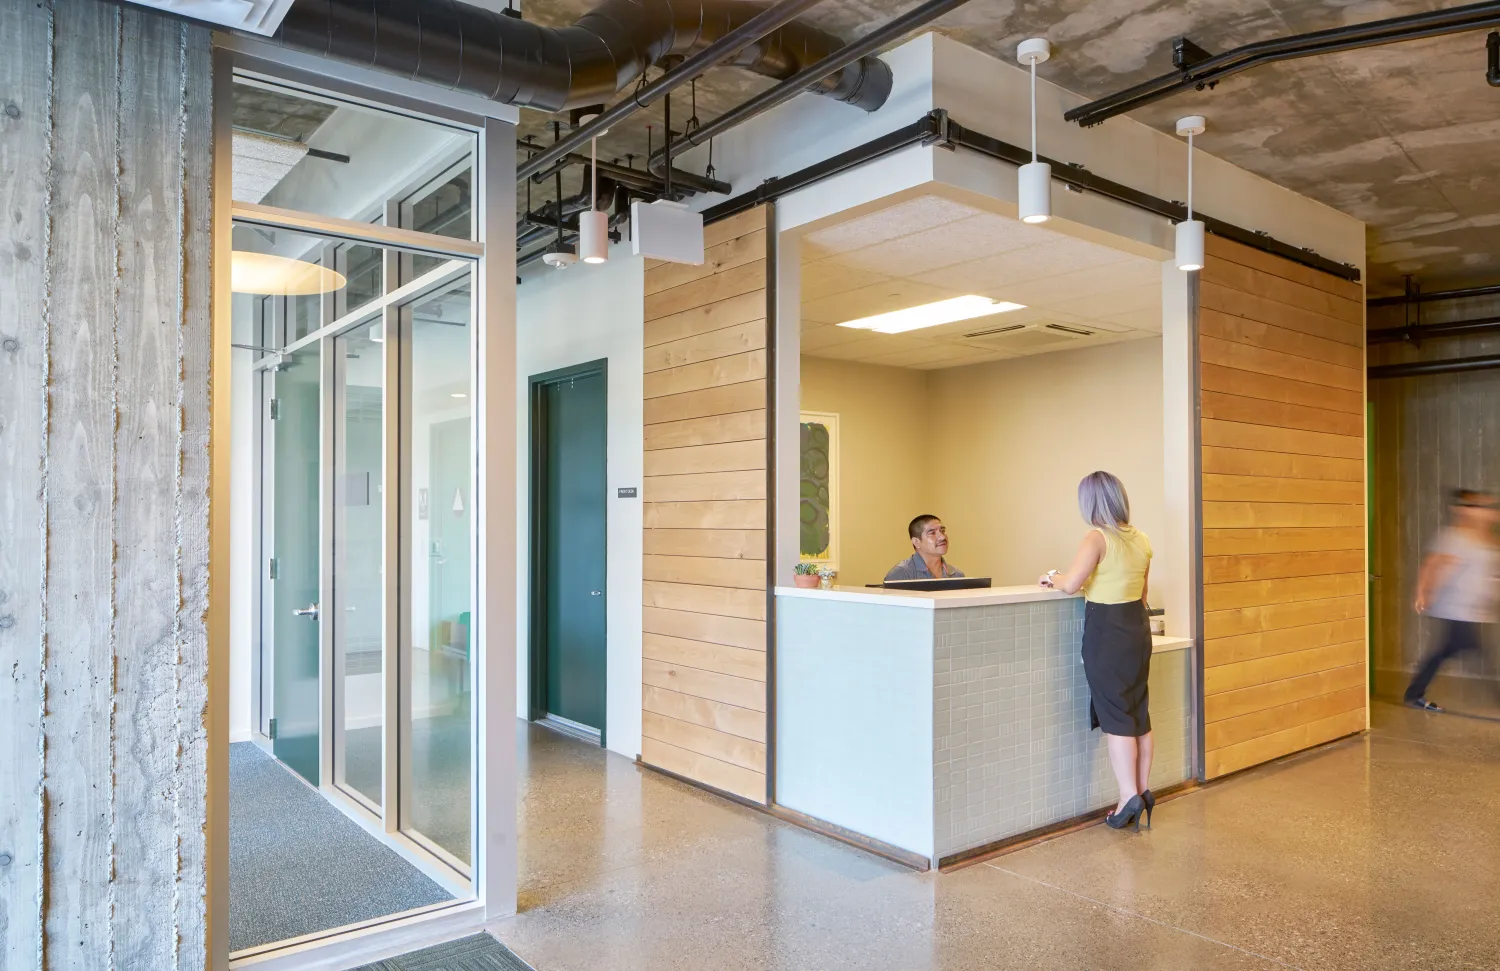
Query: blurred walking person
(1459, 584)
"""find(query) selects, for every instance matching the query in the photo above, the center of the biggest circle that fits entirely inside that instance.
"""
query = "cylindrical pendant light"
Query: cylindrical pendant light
(1190, 250)
(593, 226)
(1034, 180)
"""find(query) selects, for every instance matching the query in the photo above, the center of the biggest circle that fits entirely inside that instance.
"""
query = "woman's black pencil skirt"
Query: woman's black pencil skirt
(1117, 664)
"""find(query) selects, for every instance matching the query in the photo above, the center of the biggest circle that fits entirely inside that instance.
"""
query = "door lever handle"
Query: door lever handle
(311, 610)
(596, 593)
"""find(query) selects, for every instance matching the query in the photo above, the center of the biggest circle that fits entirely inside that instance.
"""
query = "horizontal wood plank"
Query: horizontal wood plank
(738, 339)
(741, 692)
(1278, 566)
(740, 544)
(704, 741)
(717, 258)
(724, 457)
(740, 309)
(699, 598)
(1243, 357)
(742, 426)
(1258, 593)
(1265, 438)
(1242, 515)
(1280, 465)
(1256, 411)
(733, 631)
(742, 782)
(1282, 290)
(727, 514)
(1231, 677)
(1251, 488)
(735, 369)
(1212, 296)
(1220, 248)
(718, 658)
(740, 224)
(1223, 761)
(1256, 333)
(704, 486)
(727, 400)
(707, 571)
(1228, 542)
(1257, 724)
(744, 722)
(1270, 387)
(709, 290)
(1232, 704)
(1245, 647)
(1268, 617)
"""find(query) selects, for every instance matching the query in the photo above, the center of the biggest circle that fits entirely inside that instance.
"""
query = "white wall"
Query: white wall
(571, 317)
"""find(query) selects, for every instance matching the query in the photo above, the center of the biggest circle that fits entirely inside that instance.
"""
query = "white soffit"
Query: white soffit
(256, 16)
(928, 248)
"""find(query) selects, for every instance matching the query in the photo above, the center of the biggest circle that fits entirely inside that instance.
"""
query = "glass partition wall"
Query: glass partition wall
(363, 342)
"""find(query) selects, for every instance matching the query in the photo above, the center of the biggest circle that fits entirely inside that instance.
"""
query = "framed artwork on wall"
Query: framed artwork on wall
(819, 512)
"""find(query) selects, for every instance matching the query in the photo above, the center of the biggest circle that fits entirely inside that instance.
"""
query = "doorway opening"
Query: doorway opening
(569, 417)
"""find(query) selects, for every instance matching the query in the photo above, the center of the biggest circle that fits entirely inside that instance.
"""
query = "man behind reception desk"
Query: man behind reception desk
(930, 540)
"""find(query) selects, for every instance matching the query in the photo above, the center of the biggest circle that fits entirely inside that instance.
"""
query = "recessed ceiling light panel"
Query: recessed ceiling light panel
(932, 314)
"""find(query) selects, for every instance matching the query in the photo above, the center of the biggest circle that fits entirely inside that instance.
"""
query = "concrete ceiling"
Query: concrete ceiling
(1400, 137)
(930, 248)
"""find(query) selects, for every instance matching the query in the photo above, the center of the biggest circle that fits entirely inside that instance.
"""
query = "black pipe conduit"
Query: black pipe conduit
(1432, 23)
(1419, 368)
(1406, 298)
(810, 76)
(1492, 52)
(1422, 332)
(466, 48)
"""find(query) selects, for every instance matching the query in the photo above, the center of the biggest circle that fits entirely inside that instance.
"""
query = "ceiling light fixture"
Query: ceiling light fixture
(1190, 230)
(593, 226)
(1034, 179)
(265, 273)
(933, 314)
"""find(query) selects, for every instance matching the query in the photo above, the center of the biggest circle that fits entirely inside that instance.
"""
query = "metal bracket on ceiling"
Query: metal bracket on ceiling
(1186, 54)
(941, 130)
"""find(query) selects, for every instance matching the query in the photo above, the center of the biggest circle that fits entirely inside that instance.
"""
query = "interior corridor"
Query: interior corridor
(1377, 852)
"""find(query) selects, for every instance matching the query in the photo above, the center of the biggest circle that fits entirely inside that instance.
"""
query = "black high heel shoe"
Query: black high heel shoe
(1150, 802)
(1130, 814)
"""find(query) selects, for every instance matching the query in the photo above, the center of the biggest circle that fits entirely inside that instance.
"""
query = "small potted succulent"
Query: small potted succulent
(825, 577)
(805, 575)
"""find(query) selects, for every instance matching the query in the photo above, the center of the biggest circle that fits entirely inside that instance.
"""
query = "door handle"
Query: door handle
(311, 610)
(596, 593)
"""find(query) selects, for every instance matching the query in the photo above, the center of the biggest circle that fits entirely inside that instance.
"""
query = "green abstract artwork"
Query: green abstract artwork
(817, 490)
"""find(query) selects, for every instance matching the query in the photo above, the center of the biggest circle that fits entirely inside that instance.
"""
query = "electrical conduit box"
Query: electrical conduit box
(664, 230)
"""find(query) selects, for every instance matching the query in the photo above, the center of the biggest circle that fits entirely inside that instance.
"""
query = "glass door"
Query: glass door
(296, 564)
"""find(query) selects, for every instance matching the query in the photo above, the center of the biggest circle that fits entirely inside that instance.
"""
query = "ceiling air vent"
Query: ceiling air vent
(1021, 338)
(995, 330)
(255, 16)
(1075, 331)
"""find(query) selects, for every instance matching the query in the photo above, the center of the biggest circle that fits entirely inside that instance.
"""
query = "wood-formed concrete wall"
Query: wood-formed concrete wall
(1283, 477)
(105, 146)
(704, 697)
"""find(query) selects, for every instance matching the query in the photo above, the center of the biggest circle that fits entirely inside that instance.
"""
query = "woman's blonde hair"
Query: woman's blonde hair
(1102, 501)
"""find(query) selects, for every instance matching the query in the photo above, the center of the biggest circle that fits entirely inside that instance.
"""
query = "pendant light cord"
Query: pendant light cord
(1033, 109)
(594, 164)
(1190, 176)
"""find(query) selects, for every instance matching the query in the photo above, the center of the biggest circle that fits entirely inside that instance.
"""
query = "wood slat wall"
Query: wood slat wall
(105, 377)
(704, 697)
(1283, 448)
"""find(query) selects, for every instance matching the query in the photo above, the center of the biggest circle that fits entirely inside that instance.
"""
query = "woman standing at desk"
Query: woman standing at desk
(1111, 569)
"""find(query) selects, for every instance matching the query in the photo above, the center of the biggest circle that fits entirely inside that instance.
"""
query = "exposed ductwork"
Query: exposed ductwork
(503, 58)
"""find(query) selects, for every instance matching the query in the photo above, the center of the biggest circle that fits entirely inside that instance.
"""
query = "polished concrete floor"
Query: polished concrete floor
(1378, 852)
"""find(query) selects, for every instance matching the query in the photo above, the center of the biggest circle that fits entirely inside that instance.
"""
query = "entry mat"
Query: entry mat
(479, 952)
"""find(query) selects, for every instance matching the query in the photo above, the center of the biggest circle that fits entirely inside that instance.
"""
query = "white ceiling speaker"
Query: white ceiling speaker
(1190, 247)
(1034, 180)
(560, 256)
(593, 226)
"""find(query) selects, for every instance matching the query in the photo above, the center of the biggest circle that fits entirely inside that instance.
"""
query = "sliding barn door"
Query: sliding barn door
(704, 697)
(1284, 570)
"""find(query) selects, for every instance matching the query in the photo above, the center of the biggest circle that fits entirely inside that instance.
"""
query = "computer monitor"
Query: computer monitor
(946, 583)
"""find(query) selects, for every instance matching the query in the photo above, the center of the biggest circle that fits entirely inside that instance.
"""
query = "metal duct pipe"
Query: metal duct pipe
(1431, 23)
(472, 49)
(1419, 368)
(638, 178)
(1422, 332)
(806, 79)
(1489, 291)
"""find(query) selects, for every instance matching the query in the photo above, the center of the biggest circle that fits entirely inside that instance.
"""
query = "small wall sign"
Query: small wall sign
(625, 492)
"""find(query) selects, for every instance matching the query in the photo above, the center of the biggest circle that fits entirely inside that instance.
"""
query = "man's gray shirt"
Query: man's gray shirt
(913, 568)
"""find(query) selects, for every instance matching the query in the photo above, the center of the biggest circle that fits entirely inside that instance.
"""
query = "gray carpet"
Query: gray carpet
(480, 952)
(297, 865)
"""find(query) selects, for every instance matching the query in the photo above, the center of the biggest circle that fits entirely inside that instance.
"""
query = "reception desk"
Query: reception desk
(941, 723)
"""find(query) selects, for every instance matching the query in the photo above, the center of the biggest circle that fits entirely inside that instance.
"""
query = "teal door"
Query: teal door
(573, 570)
(294, 586)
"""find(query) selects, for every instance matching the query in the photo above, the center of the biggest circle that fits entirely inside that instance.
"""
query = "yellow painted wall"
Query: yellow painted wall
(975, 446)
(883, 431)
